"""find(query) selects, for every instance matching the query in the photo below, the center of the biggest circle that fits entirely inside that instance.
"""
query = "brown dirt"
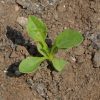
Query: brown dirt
(80, 80)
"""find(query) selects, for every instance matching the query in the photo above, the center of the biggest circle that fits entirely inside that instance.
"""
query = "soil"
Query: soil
(80, 80)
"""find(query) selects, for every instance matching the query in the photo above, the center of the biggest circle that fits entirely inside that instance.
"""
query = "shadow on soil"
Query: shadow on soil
(17, 38)
(13, 71)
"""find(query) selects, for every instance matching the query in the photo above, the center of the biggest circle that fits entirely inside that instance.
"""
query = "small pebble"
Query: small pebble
(61, 8)
(73, 59)
(30, 82)
(23, 3)
(56, 15)
(22, 21)
(5, 71)
(17, 8)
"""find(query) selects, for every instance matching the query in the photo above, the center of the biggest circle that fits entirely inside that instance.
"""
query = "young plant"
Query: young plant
(37, 30)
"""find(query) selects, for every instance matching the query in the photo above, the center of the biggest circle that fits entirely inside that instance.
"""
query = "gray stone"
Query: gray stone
(41, 89)
(96, 59)
(30, 5)
(30, 82)
(52, 2)
(34, 6)
(24, 3)
(95, 38)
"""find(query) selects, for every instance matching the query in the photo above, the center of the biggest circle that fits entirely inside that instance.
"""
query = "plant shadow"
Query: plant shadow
(50, 66)
(17, 39)
(13, 70)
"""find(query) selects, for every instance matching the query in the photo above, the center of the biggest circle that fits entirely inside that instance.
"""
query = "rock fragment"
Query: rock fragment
(96, 59)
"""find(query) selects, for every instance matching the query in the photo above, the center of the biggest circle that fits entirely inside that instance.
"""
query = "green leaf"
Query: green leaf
(41, 50)
(37, 30)
(58, 64)
(68, 38)
(30, 64)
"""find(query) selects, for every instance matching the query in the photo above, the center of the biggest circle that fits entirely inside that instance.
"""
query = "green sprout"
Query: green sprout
(37, 30)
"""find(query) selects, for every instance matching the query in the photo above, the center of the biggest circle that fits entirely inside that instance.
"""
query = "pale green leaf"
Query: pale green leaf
(37, 30)
(41, 49)
(68, 39)
(58, 64)
(30, 64)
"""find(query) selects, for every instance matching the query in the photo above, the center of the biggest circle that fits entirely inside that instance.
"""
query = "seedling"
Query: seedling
(37, 30)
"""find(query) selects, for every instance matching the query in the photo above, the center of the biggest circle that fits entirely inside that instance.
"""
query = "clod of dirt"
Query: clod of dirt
(22, 50)
(30, 5)
(24, 3)
(40, 89)
(56, 15)
(81, 59)
(1, 58)
(95, 38)
(17, 8)
(96, 59)
(22, 21)
(30, 82)
(14, 55)
(72, 59)
(35, 6)
(61, 8)
(79, 50)
(52, 2)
